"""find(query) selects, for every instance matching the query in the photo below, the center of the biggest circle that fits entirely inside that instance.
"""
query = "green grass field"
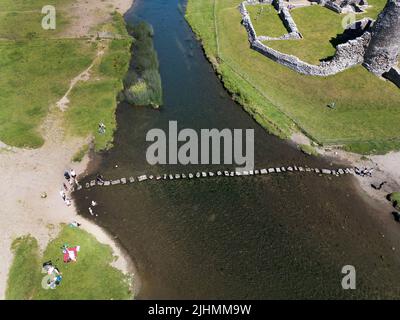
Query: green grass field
(23, 273)
(317, 26)
(367, 111)
(266, 20)
(21, 19)
(91, 277)
(36, 73)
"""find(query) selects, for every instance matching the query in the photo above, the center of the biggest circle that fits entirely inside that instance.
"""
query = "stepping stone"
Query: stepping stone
(107, 183)
(190, 175)
(151, 177)
(317, 170)
(256, 171)
(232, 174)
(341, 171)
(87, 185)
(204, 174)
(123, 180)
(226, 173)
(326, 171)
(308, 169)
(289, 169)
(251, 172)
(301, 169)
(115, 182)
(158, 178)
(277, 170)
(238, 173)
(171, 177)
(79, 187)
(219, 173)
(131, 179)
(177, 176)
(283, 169)
(198, 174)
(264, 171)
(142, 178)
(245, 173)
(92, 183)
(183, 176)
(271, 170)
(100, 183)
(295, 168)
(211, 174)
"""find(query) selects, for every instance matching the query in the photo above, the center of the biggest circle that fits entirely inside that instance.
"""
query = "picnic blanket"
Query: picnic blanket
(70, 253)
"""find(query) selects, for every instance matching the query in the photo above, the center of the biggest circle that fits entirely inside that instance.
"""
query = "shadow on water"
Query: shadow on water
(284, 236)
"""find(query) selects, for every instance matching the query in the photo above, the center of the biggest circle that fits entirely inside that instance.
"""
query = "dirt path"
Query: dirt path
(62, 104)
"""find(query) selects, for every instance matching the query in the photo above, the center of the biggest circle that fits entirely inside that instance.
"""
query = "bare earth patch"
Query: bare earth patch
(87, 14)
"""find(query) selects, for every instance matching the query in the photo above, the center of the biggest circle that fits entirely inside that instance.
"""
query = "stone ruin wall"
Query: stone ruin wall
(393, 75)
(284, 14)
(342, 6)
(347, 55)
(383, 51)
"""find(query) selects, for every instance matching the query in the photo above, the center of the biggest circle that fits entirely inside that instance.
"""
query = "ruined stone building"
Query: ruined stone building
(383, 50)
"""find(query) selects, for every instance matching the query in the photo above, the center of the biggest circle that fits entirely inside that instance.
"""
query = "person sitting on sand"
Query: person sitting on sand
(67, 175)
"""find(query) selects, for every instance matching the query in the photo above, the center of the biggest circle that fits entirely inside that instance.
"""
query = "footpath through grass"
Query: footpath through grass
(95, 101)
(367, 111)
(90, 278)
(35, 75)
(36, 71)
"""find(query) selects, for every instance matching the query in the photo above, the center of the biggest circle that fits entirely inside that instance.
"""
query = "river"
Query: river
(273, 236)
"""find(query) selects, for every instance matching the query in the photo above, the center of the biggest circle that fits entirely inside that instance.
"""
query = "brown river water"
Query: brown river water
(261, 237)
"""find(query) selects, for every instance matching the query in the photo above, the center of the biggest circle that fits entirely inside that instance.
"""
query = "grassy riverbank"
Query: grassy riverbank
(38, 66)
(91, 277)
(95, 100)
(367, 109)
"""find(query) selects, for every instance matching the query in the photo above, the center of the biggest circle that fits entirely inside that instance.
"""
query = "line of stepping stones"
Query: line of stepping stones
(204, 174)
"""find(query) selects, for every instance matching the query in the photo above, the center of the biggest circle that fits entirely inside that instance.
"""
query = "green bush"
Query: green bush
(143, 83)
(395, 198)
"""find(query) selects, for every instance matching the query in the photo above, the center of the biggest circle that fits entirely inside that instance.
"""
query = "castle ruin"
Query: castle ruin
(377, 48)
(383, 50)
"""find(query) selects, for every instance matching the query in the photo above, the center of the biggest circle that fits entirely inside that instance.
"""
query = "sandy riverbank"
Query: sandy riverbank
(386, 168)
(26, 173)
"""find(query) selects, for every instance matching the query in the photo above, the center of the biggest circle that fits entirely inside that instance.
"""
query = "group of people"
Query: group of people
(54, 275)
(364, 172)
(70, 176)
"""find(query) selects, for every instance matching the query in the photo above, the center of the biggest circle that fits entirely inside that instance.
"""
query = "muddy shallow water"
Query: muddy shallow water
(274, 236)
